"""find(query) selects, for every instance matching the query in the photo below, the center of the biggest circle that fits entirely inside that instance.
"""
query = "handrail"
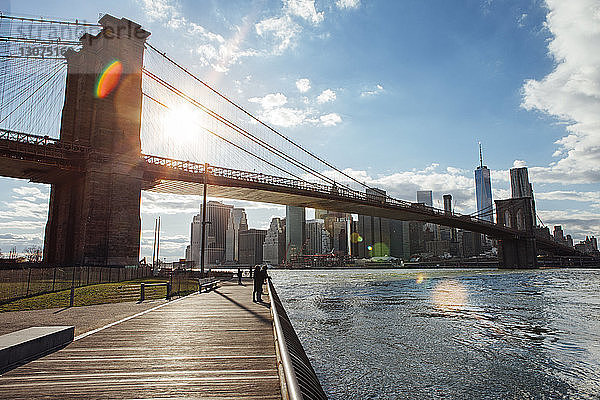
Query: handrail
(300, 378)
(293, 388)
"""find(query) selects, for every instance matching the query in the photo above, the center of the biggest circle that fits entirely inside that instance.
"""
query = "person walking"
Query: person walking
(257, 293)
(239, 276)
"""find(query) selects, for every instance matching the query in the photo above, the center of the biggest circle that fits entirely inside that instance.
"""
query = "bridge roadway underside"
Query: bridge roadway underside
(211, 345)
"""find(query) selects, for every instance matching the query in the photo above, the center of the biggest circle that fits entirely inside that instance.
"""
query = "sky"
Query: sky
(397, 93)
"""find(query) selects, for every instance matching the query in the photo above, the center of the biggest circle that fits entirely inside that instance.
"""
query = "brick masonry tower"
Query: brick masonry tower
(95, 218)
(518, 252)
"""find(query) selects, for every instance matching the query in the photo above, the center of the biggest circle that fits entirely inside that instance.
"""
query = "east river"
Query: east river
(448, 333)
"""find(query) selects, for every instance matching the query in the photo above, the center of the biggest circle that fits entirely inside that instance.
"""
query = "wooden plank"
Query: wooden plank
(211, 345)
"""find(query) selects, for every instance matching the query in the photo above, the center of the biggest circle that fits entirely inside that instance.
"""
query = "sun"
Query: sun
(183, 124)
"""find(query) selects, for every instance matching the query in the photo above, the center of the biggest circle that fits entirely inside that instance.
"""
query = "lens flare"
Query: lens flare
(369, 247)
(109, 79)
(449, 295)
(420, 278)
(355, 237)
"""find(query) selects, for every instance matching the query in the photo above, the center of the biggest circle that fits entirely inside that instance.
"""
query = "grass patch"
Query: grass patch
(94, 294)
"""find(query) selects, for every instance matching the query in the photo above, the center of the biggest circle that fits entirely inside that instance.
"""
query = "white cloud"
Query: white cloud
(571, 92)
(270, 100)
(283, 30)
(303, 85)
(521, 20)
(570, 195)
(273, 111)
(285, 116)
(214, 50)
(304, 9)
(326, 96)
(377, 90)
(342, 4)
(519, 163)
(330, 119)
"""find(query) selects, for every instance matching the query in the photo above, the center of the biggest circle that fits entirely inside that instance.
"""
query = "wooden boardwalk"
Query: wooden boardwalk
(217, 345)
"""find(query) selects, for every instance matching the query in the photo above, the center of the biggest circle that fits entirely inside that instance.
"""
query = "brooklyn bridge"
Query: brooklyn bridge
(121, 92)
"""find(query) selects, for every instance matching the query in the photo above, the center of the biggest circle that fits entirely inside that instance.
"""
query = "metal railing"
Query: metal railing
(46, 141)
(300, 378)
(331, 191)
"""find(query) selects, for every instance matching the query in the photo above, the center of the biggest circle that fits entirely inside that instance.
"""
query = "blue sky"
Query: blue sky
(397, 92)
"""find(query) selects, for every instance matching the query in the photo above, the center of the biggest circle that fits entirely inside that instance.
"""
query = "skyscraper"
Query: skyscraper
(483, 190)
(374, 231)
(217, 218)
(251, 246)
(295, 225)
(425, 197)
(448, 203)
(314, 236)
(274, 245)
(236, 224)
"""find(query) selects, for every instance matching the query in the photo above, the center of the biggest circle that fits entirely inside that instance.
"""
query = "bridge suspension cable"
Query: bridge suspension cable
(295, 161)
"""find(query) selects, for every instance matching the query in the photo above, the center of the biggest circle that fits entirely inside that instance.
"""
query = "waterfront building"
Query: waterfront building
(295, 225)
(251, 246)
(448, 203)
(373, 231)
(558, 234)
(340, 238)
(400, 239)
(416, 237)
(314, 236)
(569, 241)
(483, 190)
(237, 223)
(217, 218)
(274, 245)
(425, 197)
(471, 244)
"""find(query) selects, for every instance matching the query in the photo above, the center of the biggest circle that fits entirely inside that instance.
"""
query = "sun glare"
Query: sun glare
(183, 124)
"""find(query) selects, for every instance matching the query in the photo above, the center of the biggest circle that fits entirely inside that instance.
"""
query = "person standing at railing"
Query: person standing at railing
(263, 278)
(257, 292)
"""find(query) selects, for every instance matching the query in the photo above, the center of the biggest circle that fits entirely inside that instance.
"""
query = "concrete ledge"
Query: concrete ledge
(20, 347)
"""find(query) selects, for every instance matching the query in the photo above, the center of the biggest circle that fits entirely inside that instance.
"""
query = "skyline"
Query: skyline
(344, 107)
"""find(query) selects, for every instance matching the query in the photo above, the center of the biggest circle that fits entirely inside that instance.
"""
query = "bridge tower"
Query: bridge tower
(95, 219)
(521, 251)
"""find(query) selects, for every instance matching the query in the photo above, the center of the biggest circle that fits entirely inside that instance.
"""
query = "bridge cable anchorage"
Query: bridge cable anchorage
(256, 119)
(240, 130)
(233, 144)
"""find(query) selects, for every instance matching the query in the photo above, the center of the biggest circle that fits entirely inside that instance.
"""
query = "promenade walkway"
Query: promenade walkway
(211, 345)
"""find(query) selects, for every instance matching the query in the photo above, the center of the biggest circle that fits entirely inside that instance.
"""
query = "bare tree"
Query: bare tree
(33, 253)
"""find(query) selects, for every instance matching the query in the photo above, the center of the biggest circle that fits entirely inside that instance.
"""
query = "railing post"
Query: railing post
(54, 279)
(168, 290)
(142, 291)
(72, 296)
(28, 280)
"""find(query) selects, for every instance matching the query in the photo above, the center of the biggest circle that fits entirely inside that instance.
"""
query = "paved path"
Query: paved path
(84, 318)
(213, 345)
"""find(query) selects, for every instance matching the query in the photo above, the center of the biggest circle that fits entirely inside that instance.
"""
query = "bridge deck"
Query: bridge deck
(213, 345)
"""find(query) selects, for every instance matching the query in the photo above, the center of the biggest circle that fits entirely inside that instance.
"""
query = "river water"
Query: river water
(448, 333)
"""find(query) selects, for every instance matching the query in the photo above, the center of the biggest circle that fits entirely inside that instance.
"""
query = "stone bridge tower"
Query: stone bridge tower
(94, 219)
(521, 251)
